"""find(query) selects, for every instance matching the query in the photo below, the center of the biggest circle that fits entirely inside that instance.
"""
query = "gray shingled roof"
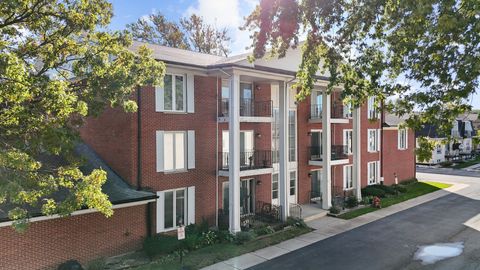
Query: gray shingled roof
(115, 187)
(392, 120)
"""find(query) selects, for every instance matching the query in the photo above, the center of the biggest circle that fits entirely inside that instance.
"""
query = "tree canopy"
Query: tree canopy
(191, 33)
(425, 53)
(56, 68)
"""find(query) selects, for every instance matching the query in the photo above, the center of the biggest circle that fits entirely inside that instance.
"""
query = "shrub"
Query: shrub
(225, 236)
(351, 202)
(192, 242)
(372, 191)
(209, 238)
(387, 189)
(296, 222)
(243, 237)
(334, 210)
(446, 164)
(400, 188)
(264, 230)
(98, 264)
(160, 244)
(409, 181)
(197, 229)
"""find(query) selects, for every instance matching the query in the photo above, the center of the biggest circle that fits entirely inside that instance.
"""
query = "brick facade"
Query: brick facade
(48, 243)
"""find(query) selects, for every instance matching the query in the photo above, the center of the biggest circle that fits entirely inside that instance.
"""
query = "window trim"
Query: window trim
(185, 152)
(347, 143)
(185, 201)
(277, 186)
(403, 132)
(174, 101)
(376, 172)
(376, 146)
(295, 156)
(345, 177)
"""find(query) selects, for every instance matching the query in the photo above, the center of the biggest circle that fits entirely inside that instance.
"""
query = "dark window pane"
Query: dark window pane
(179, 93)
(168, 211)
(167, 86)
(180, 210)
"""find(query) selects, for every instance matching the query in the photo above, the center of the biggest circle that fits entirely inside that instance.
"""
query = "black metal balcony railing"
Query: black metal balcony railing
(315, 153)
(315, 111)
(338, 152)
(251, 160)
(248, 107)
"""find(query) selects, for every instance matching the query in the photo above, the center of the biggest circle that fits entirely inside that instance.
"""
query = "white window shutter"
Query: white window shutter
(406, 138)
(399, 139)
(379, 139)
(191, 149)
(377, 180)
(191, 205)
(159, 150)
(159, 99)
(190, 93)
(160, 211)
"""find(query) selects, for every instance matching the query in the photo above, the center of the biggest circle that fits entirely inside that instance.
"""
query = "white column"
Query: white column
(234, 154)
(357, 153)
(326, 184)
(283, 166)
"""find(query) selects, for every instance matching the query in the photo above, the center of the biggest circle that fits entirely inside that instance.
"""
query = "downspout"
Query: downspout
(139, 136)
(382, 142)
(217, 157)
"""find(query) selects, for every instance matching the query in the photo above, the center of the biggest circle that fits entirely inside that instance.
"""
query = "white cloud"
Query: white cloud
(229, 14)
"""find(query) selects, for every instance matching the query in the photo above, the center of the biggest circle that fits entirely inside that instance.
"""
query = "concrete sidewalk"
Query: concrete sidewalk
(324, 228)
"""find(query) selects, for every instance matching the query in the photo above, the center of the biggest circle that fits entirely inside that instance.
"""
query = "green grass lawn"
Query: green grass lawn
(219, 252)
(413, 190)
(467, 163)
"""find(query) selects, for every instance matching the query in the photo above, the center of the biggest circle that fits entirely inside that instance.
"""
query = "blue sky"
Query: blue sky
(222, 13)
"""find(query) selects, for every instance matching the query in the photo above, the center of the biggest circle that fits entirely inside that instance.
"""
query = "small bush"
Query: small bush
(296, 222)
(209, 238)
(225, 236)
(243, 237)
(160, 244)
(409, 181)
(351, 202)
(264, 230)
(98, 264)
(446, 164)
(372, 191)
(334, 210)
(400, 188)
(192, 242)
(387, 189)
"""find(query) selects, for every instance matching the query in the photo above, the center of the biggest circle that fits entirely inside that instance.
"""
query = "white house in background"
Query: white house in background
(460, 147)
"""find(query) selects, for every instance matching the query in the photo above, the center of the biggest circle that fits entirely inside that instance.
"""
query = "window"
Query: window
(174, 92)
(348, 140)
(317, 103)
(275, 186)
(347, 110)
(293, 183)
(291, 136)
(225, 89)
(347, 177)
(175, 208)
(316, 180)
(402, 139)
(373, 172)
(226, 197)
(439, 148)
(316, 150)
(275, 136)
(174, 151)
(372, 110)
(373, 140)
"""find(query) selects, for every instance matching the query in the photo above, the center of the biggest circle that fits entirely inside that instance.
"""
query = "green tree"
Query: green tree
(192, 33)
(423, 52)
(56, 68)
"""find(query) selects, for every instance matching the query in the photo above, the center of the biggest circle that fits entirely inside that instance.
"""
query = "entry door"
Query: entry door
(247, 196)
(317, 103)
(316, 191)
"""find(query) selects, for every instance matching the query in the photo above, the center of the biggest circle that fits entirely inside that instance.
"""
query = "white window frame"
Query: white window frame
(348, 140)
(373, 172)
(295, 157)
(372, 111)
(347, 110)
(174, 154)
(174, 98)
(376, 140)
(189, 208)
(347, 183)
(402, 139)
(275, 200)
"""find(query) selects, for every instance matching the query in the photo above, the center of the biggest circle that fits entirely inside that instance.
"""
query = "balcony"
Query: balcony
(338, 113)
(339, 152)
(315, 112)
(249, 108)
(251, 160)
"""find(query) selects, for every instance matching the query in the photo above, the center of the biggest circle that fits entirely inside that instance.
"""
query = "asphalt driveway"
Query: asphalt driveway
(391, 242)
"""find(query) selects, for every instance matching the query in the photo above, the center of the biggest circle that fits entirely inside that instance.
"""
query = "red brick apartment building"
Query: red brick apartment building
(222, 135)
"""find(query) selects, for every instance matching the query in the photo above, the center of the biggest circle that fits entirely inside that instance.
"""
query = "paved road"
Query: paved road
(390, 243)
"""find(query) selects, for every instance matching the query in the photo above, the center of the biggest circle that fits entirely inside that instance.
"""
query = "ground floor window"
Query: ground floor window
(347, 177)
(293, 183)
(316, 178)
(247, 196)
(175, 207)
(373, 172)
(275, 186)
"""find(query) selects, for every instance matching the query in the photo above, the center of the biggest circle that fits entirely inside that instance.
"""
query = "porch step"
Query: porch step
(312, 211)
